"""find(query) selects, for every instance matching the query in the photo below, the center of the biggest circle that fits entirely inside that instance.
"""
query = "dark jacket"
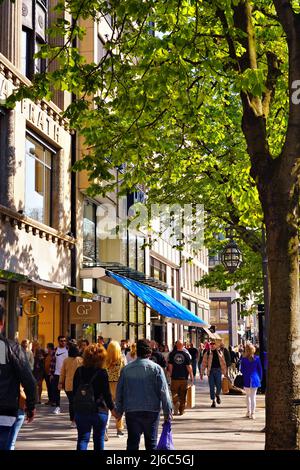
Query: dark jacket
(100, 384)
(14, 370)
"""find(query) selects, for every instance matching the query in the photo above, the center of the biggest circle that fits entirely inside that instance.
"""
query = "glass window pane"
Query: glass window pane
(39, 177)
(89, 232)
(47, 197)
(37, 182)
(24, 49)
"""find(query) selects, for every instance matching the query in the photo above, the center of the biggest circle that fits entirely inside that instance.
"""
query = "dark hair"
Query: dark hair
(50, 345)
(73, 350)
(143, 348)
(60, 336)
(85, 341)
(2, 313)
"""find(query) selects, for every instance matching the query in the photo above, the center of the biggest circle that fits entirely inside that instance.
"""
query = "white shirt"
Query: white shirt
(60, 356)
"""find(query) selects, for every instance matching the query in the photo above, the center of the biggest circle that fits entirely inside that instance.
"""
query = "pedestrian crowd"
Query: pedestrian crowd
(104, 380)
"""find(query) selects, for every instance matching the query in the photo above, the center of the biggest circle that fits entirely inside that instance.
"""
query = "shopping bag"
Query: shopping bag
(190, 396)
(166, 438)
(225, 385)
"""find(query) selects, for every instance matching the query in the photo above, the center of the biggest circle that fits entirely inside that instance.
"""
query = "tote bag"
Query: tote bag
(166, 438)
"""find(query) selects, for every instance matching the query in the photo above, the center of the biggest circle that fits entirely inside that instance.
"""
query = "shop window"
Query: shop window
(38, 180)
(34, 24)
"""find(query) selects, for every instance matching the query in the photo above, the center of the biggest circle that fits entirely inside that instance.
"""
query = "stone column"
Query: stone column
(10, 31)
(7, 159)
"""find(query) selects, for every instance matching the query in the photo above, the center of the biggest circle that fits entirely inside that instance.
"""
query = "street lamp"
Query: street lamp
(231, 256)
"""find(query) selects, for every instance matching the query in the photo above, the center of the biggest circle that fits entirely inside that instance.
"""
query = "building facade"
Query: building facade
(35, 187)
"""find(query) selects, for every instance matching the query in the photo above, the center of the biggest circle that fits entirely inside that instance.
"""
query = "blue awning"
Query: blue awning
(160, 301)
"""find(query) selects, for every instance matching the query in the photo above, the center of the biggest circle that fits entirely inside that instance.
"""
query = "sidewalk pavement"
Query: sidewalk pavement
(200, 428)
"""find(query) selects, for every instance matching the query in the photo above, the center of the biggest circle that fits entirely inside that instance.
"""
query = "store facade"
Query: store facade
(35, 220)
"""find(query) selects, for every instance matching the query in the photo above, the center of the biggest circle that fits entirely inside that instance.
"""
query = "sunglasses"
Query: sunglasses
(212, 344)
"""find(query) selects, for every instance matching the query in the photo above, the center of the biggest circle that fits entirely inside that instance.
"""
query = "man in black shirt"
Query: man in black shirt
(180, 369)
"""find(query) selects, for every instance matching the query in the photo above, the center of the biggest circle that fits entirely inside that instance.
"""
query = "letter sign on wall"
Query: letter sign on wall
(84, 312)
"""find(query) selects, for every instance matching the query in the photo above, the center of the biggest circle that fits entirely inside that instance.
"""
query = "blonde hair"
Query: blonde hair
(94, 356)
(113, 354)
(133, 350)
(249, 351)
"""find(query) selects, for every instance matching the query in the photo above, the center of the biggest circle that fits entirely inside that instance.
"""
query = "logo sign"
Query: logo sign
(84, 312)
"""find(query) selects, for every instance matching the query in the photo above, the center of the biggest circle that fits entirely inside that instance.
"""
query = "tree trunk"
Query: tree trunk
(280, 204)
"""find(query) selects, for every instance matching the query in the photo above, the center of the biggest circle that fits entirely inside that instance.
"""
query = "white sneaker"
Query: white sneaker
(247, 415)
(73, 424)
(56, 410)
(252, 416)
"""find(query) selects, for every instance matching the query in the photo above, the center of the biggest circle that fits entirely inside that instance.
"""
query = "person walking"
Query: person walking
(92, 375)
(59, 356)
(141, 392)
(214, 362)
(115, 362)
(49, 359)
(131, 355)
(252, 374)
(194, 354)
(14, 371)
(68, 369)
(38, 369)
(179, 369)
(29, 354)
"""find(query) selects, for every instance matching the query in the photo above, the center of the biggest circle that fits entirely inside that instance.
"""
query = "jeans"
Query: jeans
(4, 437)
(85, 423)
(71, 406)
(55, 391)
(14, 430)
(142, 422)
(215, 381)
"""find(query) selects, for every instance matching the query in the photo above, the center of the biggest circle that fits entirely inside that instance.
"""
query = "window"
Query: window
(89, 232)
(34, 24)
(158, 270)
(38, 180)
(219, 312)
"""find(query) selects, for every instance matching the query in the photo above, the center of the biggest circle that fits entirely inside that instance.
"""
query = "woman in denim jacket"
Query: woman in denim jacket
(252, 375)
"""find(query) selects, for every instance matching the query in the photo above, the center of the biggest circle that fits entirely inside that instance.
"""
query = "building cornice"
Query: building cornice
(13, 75)
(36, 228)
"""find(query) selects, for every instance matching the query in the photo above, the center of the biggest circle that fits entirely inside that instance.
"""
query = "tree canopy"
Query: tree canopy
(199, 101)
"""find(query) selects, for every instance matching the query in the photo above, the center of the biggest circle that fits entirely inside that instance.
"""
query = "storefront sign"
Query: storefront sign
(40, 119)
(84, 312)
(32, 112)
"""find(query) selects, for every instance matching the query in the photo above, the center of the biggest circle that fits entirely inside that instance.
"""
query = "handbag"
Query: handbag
(239, 381)
(166, 438)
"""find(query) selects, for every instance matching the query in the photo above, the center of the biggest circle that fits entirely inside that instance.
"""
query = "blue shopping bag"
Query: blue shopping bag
(166, 438)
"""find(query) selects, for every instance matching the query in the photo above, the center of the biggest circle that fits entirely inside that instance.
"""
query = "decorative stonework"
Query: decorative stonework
(24, 9)
(15, 219)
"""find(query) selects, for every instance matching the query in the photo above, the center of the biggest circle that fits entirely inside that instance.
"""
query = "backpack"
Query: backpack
(84, 398)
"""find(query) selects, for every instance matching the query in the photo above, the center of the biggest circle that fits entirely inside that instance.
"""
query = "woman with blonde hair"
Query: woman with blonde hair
(252, 375)
(92, 375)
(131, 355)
(114, 364)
